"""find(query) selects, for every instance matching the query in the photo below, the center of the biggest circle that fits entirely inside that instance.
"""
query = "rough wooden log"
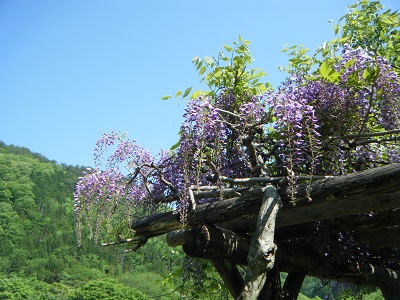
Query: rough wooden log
(237, 208)
(261, 255)
(242, 208)
(339, 207)
(380, 237)
(179, 237)
(353, 223)
(209, 242)
(372, 190)
(376, 181)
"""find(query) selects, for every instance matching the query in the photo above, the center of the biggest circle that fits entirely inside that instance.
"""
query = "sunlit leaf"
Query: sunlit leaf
(176, 145)
(187, 91)
(202, 70)
(228, 48)
(349, 63)
(196, 94)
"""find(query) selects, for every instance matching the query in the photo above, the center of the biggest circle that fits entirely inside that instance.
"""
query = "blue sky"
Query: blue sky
(71, 70)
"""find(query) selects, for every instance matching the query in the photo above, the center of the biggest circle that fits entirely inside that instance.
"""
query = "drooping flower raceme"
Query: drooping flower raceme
(210, 147)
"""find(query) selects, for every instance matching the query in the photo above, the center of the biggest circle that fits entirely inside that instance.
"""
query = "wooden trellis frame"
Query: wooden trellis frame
(366, 203)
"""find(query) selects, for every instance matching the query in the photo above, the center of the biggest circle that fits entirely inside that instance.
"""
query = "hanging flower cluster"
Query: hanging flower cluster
(328, 127)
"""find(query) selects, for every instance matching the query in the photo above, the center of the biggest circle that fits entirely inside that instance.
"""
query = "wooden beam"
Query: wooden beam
(356, 223)
(338, 207)
(363, 192)
(380, 237)
(209, 242)
(237, 209)
(179, 237)
(375, 181)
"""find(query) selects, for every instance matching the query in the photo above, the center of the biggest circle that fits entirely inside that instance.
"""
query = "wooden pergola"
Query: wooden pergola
(348, 232)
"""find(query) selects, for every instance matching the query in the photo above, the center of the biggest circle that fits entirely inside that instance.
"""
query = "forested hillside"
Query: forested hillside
(39, 256)
(40, 259)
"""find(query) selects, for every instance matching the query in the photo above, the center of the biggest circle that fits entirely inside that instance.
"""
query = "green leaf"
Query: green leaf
(229, 49)
(349, 63)
(165, 97)
(337, 29)
(334, 77)
(178, 94)
(199, 64)
(353, 79)
(187, 92)
(310, 77)
(324, 69)
(237, 60)
(202, 70)
(370, 74)
(176, 145)
(327, 72)
(196, 94)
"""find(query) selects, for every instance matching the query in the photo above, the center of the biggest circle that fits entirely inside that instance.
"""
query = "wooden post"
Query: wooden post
(292, 286)
(391, 292)
(230, 276)
(261, 255)
(272, 286)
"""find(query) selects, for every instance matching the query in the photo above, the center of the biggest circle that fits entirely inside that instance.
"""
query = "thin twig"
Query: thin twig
(228, 112)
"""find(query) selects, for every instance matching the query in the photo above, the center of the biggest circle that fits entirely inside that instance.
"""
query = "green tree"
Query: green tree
(107, 289)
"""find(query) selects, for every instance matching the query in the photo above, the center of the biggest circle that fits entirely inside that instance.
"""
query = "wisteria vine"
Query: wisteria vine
(310, 126)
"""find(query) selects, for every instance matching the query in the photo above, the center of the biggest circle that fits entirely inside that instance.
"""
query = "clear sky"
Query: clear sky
(73, 69)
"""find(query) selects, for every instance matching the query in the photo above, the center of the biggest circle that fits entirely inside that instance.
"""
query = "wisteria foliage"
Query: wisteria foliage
(312, 125)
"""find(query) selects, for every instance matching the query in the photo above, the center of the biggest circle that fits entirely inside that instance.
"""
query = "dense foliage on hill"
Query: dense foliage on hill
(39, 256)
